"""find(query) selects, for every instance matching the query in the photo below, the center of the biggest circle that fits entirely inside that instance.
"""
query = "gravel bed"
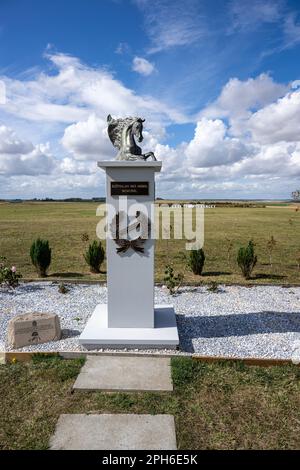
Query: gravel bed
(236, 321)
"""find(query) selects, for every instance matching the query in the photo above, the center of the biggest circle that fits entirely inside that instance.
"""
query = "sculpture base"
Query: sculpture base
(164, 335)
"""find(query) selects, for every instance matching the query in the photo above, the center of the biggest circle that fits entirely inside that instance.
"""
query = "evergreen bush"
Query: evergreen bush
(94, 256)
(247, 259)
(196, 261)
(40, 254)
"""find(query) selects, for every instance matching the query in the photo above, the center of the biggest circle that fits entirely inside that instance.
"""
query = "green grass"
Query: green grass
(224, 405)
(64, 223)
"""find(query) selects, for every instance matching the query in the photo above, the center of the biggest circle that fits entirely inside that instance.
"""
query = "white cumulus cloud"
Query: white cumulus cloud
(212, 146)
(142, 66)
(18, 157)
(238, 99)
(279, 121)
(88, 139)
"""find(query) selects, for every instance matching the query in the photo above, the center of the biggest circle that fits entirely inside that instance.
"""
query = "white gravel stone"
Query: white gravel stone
(259, 322)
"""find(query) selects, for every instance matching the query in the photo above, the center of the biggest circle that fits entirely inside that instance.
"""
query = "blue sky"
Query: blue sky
(217, 81)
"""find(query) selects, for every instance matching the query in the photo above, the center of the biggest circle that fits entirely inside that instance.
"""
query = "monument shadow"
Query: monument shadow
(222, 326)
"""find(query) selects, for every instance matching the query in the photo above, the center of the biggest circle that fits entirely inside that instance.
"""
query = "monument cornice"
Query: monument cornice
(130, 164)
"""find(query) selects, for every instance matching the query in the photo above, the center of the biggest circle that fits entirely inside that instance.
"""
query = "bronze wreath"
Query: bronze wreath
(123, 243)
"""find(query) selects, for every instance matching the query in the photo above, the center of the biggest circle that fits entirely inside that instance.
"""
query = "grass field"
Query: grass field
(64, 223)
(224, 405)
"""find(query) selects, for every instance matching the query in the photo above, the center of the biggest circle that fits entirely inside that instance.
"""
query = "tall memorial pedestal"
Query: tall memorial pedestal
(130, 318)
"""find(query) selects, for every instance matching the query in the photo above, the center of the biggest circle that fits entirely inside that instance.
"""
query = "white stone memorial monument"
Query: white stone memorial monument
(130, 318)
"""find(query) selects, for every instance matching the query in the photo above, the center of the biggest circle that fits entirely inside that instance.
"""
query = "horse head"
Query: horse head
(137, 129)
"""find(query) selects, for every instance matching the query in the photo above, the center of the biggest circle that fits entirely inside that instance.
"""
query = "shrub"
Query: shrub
(196, 261)
(8, 276)
(213, 287)
(173, 282)
(94, 256)
(40, 254)
(62, 288)
(247, 259)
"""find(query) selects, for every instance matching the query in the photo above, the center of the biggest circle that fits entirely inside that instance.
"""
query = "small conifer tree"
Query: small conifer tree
(94, 256)
(196, 261)
(247, 259)
(40, 254)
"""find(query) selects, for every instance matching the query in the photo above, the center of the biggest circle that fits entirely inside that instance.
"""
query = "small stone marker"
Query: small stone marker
(33, 328)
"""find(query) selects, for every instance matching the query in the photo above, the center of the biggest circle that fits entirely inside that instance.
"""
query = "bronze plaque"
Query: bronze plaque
(129, 188)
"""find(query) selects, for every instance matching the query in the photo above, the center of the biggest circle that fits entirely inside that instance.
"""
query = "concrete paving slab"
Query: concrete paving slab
(114, 432)
(117, 373)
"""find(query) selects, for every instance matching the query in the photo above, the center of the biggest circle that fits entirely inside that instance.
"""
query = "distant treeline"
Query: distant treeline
(48, 199)
(242, 204)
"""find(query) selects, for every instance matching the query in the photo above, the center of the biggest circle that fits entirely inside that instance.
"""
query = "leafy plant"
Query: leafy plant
(213, 287)
(8, 276)
(62, 288)
(196, 261)
(40, 254)
(247, 259)
(94, 256)
(270, 247)
(172, 281)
